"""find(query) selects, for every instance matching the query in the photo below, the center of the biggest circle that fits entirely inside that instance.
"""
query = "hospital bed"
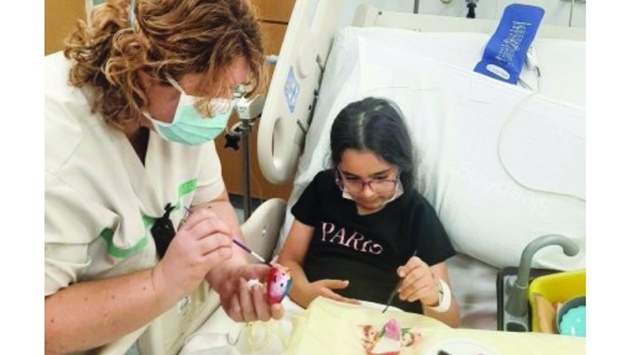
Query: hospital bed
(502, 164)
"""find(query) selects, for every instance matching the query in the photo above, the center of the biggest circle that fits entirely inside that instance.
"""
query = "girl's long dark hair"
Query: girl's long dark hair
(376, 125)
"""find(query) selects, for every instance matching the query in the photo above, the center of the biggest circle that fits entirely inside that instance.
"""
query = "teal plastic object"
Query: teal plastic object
(572, 317)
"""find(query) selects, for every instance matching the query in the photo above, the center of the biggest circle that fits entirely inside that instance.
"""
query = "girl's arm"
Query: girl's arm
(420, 282)
(452, 315)
(293, 255)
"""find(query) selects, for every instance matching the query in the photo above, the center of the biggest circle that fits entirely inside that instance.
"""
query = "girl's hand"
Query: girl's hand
(325, 288)
(418, 283)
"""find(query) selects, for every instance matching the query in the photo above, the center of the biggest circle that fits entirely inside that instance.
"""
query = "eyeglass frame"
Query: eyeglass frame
(200, 101)
(341, 180)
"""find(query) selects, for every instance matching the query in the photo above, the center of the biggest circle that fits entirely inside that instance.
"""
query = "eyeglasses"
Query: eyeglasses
(163, 231)
(203, 105)
(356, 185)
(200, 104)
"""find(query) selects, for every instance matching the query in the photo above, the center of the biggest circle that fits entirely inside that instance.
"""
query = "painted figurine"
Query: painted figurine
(279, 284)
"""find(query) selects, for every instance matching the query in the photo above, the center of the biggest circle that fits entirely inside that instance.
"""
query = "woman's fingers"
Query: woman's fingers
(232, 307)
(204, 233)
(201, 244)
(247, 305)
(204, 223)
(262, 308)
(277, 311)
(213, 244)
(215, 254)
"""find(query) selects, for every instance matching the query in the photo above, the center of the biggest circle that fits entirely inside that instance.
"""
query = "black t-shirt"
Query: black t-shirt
(367, 249)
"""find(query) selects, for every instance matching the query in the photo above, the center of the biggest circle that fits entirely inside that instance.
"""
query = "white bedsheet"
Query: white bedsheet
(220, 335)
(501, 164)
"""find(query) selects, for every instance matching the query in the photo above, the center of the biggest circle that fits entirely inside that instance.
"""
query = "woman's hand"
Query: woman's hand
(201, 244)
(323, 288)
(241, 303)
(418, 283)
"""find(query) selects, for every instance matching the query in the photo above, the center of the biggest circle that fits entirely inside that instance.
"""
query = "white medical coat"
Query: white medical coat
(100, 200)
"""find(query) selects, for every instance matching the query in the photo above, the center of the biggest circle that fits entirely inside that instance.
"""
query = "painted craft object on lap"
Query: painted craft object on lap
(390, 339)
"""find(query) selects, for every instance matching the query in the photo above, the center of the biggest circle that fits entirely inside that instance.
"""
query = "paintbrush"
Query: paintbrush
(391, 298)
(237, 242)
(395, 290)
(250, 251)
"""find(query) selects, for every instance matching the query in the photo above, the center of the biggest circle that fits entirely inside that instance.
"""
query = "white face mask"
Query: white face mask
(188, 126)
(341, 182)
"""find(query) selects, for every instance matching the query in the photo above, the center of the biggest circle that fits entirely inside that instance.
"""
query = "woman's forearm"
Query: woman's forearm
(93, 313)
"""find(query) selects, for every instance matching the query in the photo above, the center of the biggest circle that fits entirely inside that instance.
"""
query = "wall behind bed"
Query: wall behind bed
(557, 12)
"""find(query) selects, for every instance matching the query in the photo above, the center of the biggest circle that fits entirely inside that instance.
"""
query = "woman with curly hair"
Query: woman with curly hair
(132, 106)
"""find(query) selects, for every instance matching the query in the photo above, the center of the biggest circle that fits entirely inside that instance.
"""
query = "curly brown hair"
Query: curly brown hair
(168, 37)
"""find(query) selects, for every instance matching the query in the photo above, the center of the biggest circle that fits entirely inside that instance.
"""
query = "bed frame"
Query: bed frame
(296, 83)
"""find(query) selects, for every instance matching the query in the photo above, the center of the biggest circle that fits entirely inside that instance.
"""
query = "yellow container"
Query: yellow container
(556, 288)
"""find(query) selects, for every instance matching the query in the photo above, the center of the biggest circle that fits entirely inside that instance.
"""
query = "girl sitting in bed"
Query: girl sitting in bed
(361, 228)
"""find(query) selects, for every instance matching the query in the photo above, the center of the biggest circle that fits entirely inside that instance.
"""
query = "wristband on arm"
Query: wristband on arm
(445, 297)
